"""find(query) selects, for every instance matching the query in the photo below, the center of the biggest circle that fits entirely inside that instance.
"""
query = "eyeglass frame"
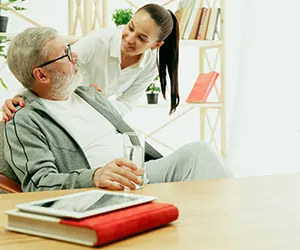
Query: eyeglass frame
(69, 55)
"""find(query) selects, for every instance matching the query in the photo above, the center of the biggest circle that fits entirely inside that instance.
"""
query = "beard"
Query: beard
(64, 85)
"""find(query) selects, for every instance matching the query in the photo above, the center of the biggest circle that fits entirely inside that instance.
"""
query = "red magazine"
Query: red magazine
(202, 87)
(96, 230)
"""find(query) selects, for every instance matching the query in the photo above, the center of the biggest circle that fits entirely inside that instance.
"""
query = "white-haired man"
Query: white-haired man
(71, 137)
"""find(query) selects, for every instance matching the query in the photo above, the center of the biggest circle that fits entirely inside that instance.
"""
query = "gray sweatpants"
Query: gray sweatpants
(194, 161)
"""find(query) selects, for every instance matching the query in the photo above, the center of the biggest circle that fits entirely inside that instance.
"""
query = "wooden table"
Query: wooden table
(258, 213)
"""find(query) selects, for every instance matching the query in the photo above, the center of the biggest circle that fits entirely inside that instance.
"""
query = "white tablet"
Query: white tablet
(84, 204)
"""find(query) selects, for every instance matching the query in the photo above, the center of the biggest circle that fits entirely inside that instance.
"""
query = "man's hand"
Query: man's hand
(8, 107)
(117, 174)
(97, 88)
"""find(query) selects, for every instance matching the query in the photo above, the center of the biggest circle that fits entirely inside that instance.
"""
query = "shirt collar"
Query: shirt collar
(115, 49)
(115, 45)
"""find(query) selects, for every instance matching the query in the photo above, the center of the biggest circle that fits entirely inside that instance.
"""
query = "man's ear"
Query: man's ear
(157, 45)
(40, 75)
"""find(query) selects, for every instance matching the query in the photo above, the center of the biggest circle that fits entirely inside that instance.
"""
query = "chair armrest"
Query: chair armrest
(9, 186)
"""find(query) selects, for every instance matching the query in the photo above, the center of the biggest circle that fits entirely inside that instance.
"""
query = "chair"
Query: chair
(9, 182)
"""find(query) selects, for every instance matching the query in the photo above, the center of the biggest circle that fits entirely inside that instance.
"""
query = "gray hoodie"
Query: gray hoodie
(42, 151)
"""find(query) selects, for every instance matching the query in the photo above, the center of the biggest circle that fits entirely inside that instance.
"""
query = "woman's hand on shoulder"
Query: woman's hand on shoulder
(97, 87)
(8, 107)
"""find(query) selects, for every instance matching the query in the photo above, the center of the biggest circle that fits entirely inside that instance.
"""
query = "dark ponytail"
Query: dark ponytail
(167, 58)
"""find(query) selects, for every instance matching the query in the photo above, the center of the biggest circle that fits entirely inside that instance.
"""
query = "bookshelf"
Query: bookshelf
(86, 15)
(211, 57)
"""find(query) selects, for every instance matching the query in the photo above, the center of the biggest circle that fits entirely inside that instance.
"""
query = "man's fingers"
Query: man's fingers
(139, 172)
(114, 181)
(128, 169)
(121, 171)
(112, 185)
(123, 181)
(128, 174)
(125, 162)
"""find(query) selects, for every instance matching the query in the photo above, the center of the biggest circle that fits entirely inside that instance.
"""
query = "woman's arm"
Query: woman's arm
(8, 107)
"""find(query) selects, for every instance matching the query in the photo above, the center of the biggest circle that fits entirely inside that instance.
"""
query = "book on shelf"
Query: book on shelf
(202, 87)
(196, 21)
(201, 22)
(179, 12)
(193, 34)
(189, 9)
(191, 20)
(183, 13)
(205, 24)
(213, 23)
(96, 230)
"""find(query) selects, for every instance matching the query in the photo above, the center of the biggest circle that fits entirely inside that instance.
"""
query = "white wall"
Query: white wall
(54, 13)
(263, 62)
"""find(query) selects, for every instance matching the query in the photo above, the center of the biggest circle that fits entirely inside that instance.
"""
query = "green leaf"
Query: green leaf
(122, 16)
(152, 88)
(18, 8)
(3, 84)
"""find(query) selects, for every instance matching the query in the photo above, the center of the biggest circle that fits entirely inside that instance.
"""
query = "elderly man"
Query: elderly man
(71, 137)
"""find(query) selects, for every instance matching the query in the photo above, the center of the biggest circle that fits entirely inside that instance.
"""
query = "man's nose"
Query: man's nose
(74, 57)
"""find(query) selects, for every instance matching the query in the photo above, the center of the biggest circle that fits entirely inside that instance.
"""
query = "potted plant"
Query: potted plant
(4, 5)
(122, 16)
(152, 91)
(3, 42)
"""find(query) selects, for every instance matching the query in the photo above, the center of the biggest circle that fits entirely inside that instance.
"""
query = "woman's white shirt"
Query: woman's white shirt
(99, 55)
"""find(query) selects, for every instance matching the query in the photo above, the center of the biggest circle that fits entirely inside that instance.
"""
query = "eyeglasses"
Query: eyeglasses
(69, 55)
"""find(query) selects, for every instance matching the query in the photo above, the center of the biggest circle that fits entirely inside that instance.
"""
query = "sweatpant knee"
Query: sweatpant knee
(196, 148)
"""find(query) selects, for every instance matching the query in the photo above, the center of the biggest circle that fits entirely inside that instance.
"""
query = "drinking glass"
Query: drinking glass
(134, 150)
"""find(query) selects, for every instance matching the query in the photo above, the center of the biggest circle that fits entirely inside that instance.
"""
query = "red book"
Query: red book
(202, 87)
(96, 230)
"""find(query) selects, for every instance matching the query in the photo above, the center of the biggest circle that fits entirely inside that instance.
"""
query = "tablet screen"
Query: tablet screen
(84, 204)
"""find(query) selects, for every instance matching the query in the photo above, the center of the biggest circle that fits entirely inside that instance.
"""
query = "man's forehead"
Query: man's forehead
(56, 45)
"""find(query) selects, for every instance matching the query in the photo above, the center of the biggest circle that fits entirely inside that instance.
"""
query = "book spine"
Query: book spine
(187, 13)
(210, 86)
(191, 20)
(212, 23)
(179, 14)
(140, 223)
(193, 34)
(205, 24)
(216, 24)
(204, 11)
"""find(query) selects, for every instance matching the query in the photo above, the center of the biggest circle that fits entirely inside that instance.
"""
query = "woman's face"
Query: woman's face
(140, 34)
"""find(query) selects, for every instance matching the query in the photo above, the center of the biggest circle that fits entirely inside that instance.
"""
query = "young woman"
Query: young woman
(122, 64)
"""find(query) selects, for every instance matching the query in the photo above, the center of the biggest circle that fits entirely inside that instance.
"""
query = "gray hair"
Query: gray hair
(27, 50)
